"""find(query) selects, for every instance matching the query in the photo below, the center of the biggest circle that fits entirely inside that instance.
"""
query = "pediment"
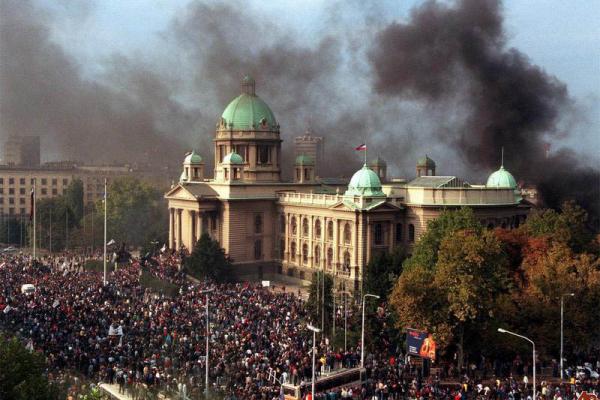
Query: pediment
(181, 193)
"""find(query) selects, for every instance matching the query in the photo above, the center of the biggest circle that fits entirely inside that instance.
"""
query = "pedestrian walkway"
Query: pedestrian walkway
(113, 391)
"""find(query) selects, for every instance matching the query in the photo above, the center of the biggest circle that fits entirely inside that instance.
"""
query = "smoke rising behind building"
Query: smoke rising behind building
(443, 82)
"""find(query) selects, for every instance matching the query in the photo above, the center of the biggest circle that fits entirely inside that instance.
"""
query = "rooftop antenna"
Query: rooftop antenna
(502, 162)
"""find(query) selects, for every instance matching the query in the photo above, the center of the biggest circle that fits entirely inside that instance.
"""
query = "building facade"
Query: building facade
(22, 151)
(309, 224)
(311, 146)
(51, 180)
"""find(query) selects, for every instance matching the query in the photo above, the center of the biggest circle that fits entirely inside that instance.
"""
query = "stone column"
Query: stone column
(199, 222)
(193, 229)
(171, 228)
(286, 237)
(179, 221)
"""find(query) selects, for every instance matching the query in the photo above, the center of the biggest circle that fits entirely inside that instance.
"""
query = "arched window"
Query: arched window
(346, 261)
(329, 257)
(258, 223)
(399, 229)
(293, 251)
(411, 233)
(318, 229)
(258, 249)
(378, 234)
(347, 233)
(305, 226)
(294, 226)
(330, 230)
(317, 255)
(305, 253)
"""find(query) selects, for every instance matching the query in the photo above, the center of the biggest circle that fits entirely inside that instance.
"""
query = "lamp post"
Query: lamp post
(562, 305)
(346, 294)
(314, 350)
(362, 335)
(206, 292)
(532, 343)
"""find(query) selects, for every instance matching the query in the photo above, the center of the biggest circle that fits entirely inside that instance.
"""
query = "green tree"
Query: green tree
(455, 298)
(425, 251)
(74, 199)
(136, 212)
(208, 260)
(383, 271)
(22, 373)
(55, 223)
(317, 309)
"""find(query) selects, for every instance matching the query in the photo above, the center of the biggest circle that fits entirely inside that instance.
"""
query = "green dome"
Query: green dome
(304, 159)
(193, 158)
(501, 179)
(364, 182)
(425, 162)
(248, 111)
(233, 158)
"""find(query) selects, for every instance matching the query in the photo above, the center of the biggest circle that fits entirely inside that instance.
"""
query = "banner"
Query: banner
(420, 344)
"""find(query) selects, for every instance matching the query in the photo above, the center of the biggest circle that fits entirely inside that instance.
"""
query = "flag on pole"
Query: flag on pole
(32, 206)
(362, 147)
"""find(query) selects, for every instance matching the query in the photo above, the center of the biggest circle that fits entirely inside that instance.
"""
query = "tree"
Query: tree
(382, 272)
(136, 212)
(317, 309)
(453, 299)
(22, 373)
(74, 199)
(208, 260)
(425, 252)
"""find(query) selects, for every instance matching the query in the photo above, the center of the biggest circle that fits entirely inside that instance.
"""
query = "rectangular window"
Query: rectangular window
(263, 154)
(54, 191)
(44, 181)
(11, 181)
(54, 181)
(65, 181)
(1, 181)
(11, 200)
(399, 229)
(21, 190)
(44, 191)
(21, 181)
(11, 190)
(21, 200)
(378, 234)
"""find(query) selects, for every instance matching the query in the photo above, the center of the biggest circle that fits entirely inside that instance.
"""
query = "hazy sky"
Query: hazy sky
(560, 37)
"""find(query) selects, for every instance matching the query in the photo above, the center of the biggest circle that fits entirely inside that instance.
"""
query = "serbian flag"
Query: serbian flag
(32, 207)
(361, 147)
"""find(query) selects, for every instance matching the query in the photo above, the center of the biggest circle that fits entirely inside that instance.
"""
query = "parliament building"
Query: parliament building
(268, 226)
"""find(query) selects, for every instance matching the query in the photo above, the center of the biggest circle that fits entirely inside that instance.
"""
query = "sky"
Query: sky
(557, 36)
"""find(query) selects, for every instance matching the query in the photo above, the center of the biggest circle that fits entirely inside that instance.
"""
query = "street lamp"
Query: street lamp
(533, 344)
(562, 304)
(314, 350)
(206, 292)
(362, 336)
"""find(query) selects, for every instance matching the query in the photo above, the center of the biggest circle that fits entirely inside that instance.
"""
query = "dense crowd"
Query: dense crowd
(126, 334)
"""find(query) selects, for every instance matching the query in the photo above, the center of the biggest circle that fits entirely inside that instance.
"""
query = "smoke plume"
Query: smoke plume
(456, 56)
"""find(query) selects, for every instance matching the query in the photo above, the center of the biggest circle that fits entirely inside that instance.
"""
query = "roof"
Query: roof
(501, 179)
(233, 158)
(364, 182)
(248, 111)
(436, 182)
(304, 159)
(193, 158)
(425, 162)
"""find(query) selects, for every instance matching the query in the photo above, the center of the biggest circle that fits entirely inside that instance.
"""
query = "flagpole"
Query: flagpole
(34, 215)
(105, 198)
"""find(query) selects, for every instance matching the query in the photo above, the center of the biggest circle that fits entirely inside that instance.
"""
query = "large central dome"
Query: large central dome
(248, 112)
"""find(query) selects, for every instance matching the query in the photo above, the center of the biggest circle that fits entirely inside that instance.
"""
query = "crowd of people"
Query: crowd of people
(126, 334)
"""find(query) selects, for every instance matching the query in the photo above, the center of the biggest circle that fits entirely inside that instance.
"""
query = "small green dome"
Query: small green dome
(425, 162)
(248, 112)
(501, 179)
(193, 158)
(364, 182)
(304, 159)
(233, 158)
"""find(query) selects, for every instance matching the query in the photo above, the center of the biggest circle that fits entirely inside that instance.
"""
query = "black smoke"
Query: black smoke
(456, 56)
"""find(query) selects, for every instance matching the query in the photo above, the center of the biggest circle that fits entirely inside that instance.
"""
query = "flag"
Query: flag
(32, 206)
(362, 147)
